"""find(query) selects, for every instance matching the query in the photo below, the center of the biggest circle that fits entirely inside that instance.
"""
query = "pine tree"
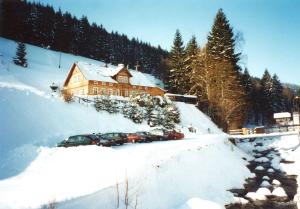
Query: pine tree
(221, 41)
(266, 95)
(20, 58)
(249, 94)
(277, 95)
(191, 52)
(176, 66)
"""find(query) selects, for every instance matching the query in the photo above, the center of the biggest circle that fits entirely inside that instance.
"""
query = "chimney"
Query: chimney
(121, 65)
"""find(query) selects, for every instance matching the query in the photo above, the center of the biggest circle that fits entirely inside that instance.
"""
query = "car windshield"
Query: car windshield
(93, 136)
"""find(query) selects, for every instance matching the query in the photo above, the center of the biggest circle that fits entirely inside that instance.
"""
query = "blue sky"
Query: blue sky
(270, 28)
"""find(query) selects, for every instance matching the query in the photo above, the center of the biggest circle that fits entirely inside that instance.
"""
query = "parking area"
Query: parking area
(119, 138)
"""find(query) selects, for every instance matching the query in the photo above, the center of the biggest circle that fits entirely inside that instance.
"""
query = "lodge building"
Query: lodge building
(91, 79)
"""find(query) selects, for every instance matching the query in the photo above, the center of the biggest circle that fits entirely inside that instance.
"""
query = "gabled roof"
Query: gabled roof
(102, 73)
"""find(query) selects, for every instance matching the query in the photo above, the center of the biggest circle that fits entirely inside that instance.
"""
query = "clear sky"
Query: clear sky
(270, 28)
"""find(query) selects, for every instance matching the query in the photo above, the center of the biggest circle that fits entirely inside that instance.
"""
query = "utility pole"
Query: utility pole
(59, 59)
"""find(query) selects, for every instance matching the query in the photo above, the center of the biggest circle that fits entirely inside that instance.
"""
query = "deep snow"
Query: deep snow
(176, 174)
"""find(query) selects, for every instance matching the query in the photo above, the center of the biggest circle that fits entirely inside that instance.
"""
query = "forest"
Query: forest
(225, 91)
(41, 25)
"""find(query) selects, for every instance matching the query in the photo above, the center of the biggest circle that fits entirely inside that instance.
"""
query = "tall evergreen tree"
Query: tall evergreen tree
(277, 98)
(221, 41)
(191, 52)
(266, 95)
(176, 65)
(20, 58)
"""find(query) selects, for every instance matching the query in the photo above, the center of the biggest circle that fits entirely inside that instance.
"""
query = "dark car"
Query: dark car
(87, 139)
(147, 136)
(114, 138)
(159, 134)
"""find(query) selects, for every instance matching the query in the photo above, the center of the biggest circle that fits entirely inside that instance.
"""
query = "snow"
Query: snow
(282, 115)
(260, 194)
(196, 203)
(261, 160)
(279, 192)
(266, 178)
(34, 172)
(265, 184)
(259, 168)
(276, 182)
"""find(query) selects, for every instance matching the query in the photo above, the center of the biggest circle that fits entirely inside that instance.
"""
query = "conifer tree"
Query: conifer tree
(221, 41)
(20, 58)
(266, 95)
(176, 65)
(277, 95)
(191, 52)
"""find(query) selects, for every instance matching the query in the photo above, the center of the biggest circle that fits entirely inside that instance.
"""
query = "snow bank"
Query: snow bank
(160, 174)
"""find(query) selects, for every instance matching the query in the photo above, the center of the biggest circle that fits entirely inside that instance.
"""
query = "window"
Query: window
(96, 82)
(122, 79)
(134, 87)
(103, 83)
(140, 87)
(82, 91)
(95, 91)
(103, 91)
(110, 92)
(117, 92)
(111, 84)
(126, 93)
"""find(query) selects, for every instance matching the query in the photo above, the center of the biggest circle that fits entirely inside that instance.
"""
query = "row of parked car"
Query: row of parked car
(117, 138)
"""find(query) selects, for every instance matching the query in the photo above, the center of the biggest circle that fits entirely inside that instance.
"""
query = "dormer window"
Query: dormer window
(122, 79)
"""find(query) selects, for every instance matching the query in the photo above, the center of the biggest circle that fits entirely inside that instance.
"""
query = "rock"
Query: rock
(255, 196)
(261, 160)
(264, 191)
(240, 200)
(259, 168)
(266, 178)
(265, 184)
(276, 182)
(270, 170)
(279, 192)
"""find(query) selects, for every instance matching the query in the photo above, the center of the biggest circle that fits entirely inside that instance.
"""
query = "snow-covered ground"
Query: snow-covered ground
(190, 173)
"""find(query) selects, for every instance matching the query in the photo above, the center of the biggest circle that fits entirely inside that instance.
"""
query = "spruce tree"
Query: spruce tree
(191, 52)
(277, 95)
(221, 41)
(176, 69)
(266, 96)
(20, 58)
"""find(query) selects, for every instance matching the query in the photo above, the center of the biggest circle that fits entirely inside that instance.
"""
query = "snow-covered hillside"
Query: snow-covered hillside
(160, 174)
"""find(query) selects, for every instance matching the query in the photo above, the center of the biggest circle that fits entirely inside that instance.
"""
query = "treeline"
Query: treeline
(226, 92)
(41, 25)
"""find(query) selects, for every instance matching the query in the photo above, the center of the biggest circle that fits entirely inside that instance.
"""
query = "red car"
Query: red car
(134, 138)
(173, 135)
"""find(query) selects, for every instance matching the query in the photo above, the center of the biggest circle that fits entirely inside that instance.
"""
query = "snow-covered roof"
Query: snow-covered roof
(102, 73)
(282, 115)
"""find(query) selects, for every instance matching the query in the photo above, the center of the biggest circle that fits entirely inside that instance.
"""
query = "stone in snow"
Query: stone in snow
(266, 178)
(270, 170)
(265, 184)
(240, 200)
(260, 194)
(279, 192)
(259, 168)
(261, 160)
(276, 182)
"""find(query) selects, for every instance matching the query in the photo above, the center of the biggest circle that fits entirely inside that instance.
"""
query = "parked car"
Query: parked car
(159, 134)
(114, 138)
(134, 138)
(87, 139)
(148, 137)
(171, 135)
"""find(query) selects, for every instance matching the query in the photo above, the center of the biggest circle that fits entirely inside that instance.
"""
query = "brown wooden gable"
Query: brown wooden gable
(74, 67)
(124, 71)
